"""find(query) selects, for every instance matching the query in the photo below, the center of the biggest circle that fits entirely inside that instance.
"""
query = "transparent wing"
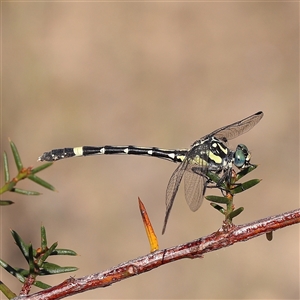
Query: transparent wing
(195, 179)
(232, 131)
(172, 189)
(194, 186)
(194, 182)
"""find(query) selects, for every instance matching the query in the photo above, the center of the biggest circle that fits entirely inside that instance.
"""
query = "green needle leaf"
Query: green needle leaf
(50, 268)
(213, 177)
(6, 202)
(43, 238)
(245, 171)
(218, 207)
(20, 243)
(218, 199)
(11, 270)
(7, 267)
(25, 192)
(64, 252)
(245, 186)
(40, 168)
(41, 182)
(41, 285)
(16, 156)
(6, 291)
(46, 254)
(5, 166)
(31, 260)
(235, 213)
(23, 272)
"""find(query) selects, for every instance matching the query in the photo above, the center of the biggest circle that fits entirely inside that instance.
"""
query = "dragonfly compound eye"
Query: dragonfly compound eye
(241, 156)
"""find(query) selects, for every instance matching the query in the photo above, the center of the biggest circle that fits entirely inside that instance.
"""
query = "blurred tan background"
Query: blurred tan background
(151, 74)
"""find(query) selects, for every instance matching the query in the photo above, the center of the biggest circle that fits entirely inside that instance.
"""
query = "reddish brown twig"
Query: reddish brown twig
(224, 237)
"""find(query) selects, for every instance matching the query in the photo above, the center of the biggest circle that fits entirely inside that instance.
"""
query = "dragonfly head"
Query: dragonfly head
(242, 156)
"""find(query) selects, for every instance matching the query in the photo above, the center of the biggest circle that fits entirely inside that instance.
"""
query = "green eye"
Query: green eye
(240, 156)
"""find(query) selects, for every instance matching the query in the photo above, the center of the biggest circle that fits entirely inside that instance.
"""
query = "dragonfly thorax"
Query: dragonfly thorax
(212, 154)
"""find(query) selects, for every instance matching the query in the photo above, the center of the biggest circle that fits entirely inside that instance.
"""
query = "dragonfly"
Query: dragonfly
(210, 153)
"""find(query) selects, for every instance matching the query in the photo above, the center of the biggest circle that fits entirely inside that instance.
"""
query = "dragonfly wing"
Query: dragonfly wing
(194, 187)
(172, 189)
(232, 131)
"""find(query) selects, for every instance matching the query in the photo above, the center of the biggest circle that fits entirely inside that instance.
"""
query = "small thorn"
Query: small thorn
(148, 227)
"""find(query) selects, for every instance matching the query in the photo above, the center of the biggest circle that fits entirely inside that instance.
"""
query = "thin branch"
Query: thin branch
(224, 237)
